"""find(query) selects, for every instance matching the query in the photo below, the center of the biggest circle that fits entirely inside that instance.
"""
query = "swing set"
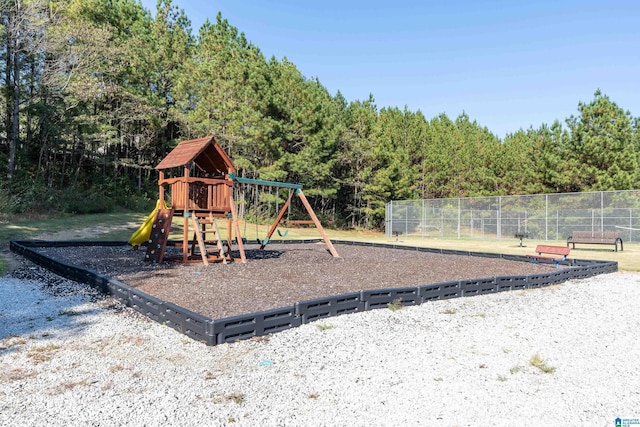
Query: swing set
(204, 194)
(294, 190)
(251, 193)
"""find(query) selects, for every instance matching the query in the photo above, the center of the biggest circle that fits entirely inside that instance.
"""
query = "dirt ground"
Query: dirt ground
(282, 275)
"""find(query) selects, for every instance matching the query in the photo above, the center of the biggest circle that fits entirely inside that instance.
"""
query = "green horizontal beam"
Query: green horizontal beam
(234, 177)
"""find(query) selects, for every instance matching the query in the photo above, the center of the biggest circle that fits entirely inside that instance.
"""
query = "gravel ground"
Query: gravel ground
(71, 357)
(284, 274)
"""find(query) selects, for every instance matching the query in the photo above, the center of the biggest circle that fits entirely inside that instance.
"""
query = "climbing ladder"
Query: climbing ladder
(200, 232)
(157, 243)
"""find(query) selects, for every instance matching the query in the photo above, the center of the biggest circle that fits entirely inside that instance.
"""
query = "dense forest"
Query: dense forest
(96, 92)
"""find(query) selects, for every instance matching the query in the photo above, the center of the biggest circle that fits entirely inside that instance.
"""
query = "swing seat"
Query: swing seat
(281, 234)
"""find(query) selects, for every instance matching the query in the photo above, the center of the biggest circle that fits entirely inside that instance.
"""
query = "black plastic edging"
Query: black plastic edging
(245, 326)
(382, 298)
(320, 308)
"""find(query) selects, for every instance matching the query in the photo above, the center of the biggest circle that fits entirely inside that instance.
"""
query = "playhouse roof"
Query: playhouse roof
(205, 152)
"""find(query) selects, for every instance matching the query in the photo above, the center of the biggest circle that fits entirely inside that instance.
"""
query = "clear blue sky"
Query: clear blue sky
(507, 64)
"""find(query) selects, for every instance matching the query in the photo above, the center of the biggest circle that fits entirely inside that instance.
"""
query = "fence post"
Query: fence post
(499, 218)
(602, 211)
(459, 218)
(546, 217)
(389, 229)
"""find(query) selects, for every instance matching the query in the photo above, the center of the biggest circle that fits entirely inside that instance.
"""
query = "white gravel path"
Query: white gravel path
(76, 359)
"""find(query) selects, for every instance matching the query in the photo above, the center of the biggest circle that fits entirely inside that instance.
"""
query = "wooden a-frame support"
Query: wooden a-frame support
(312, 215)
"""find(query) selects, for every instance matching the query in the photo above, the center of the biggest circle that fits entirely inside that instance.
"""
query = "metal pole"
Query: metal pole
(390, 230)
(424, 218)
(546, 217)
(602, 211)
(459, 218)
(499, 218)
(406, 220)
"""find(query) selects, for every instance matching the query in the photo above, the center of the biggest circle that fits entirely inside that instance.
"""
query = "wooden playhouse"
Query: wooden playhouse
(196, 181)
(194, 185)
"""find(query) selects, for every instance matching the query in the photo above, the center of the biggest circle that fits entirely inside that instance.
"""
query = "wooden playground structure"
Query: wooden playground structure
(201, 191)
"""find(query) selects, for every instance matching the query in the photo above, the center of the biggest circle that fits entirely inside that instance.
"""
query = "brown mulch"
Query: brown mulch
(282, 275)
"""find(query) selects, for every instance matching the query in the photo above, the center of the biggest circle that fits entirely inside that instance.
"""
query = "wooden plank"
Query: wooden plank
(298, 222)
(236, 227)
(554, 250)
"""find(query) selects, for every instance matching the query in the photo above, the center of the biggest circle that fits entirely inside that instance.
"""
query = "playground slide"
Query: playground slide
(143, 233)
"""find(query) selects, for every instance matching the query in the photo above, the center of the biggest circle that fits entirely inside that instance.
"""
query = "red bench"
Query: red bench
(556, 254)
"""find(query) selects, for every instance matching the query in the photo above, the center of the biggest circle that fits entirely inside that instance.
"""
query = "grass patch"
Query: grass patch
(449, 311)
(16, 374)
(43, 353)
(69, 313)
(324, 327)
(236, 398)
(395, 305)
(24, 228)
(515, 370)
(12, 341)
(538, 362)
(502, 378)
(4, 265)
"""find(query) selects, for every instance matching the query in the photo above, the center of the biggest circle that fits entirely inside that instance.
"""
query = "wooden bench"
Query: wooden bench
(294, 222)
(595, 238)
(544, 252)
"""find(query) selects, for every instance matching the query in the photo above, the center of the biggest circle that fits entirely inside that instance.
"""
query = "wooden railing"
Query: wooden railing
(199, 194)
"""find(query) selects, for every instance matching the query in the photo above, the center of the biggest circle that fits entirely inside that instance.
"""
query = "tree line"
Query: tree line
(96, 92)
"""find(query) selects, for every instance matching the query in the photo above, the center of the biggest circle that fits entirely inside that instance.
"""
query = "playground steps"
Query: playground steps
(157, 243)
(200, 231)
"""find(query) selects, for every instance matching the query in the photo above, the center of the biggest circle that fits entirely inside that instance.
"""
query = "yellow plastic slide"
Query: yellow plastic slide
(143, 233)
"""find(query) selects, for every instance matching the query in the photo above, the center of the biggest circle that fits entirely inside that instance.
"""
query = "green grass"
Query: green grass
(395, 305)
(538, 362)
(27, 228)
(4, 266)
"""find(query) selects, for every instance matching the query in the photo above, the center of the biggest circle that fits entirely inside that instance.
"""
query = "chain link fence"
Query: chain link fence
(541, 216)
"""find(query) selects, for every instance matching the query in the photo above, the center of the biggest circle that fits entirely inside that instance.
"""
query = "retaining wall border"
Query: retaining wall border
(245, 326)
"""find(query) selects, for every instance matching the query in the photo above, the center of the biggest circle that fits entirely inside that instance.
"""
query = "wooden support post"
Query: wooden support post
(316, 221)
(186, 213)
(185, 237)
(277, 221)
(229, 236)
(161, 190)
(236, 226)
